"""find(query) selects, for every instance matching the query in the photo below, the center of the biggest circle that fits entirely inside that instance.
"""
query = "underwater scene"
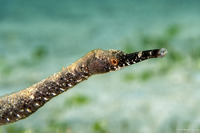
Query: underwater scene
(39, 38)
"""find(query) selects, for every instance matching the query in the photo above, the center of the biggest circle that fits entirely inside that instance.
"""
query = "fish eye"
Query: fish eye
(114, 61)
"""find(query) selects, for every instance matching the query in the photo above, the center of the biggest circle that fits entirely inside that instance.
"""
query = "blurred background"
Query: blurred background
(38, 38)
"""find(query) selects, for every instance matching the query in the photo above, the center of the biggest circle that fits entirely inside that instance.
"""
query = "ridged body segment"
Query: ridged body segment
(21, 104)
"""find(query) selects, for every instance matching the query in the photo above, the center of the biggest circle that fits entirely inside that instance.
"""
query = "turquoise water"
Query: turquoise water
(38, 38)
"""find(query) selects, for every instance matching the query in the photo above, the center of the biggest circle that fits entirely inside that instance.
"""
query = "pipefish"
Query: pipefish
(20, 105)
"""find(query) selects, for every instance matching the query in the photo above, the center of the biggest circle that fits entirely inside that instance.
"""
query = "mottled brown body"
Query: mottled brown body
(21, 104)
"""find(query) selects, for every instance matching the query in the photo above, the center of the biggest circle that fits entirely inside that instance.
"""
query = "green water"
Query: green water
(38, 38)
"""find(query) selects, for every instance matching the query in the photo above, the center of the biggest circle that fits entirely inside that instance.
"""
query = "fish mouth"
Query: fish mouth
(162, 52)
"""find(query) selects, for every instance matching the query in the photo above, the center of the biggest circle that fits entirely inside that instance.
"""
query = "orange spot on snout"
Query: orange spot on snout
(114, 61)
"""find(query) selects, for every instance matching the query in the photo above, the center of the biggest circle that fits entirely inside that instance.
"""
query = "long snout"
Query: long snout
(136, 57)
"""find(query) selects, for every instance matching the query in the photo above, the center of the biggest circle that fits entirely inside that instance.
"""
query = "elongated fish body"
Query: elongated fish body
(22, 104)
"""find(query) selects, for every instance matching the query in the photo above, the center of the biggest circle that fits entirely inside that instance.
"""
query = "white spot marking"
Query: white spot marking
(73, 74)
(86, 76)
(79, 80)
(133, 62)
(37, 104)
(70, 85)
(64, 84)
(57, 83)
(18, 116)
(120, 68)
(117, 68)
(22, 110)
(128, 62)
(54, 94)
(85, 71)
(62, 89)
(150, 52)
(32, 97)
(46, 99)
(139, 54)
(28, 110)
(7, 119)
(39, 98)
